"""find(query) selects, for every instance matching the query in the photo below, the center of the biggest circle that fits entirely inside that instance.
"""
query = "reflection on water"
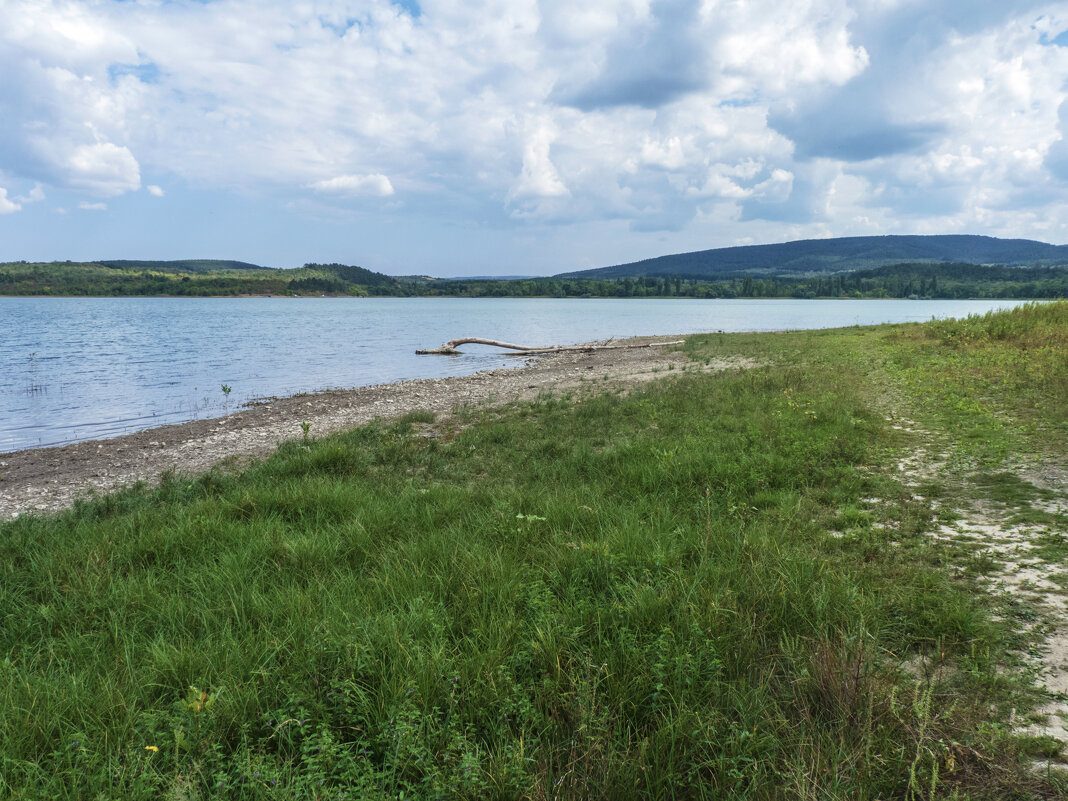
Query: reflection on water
(86, 368)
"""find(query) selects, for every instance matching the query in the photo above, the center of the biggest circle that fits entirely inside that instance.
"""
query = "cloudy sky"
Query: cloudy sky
(460, 137)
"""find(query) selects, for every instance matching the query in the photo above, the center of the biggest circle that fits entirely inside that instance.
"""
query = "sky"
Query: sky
(522, 137)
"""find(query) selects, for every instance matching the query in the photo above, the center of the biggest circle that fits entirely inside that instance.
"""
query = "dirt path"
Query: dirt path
(48, 479)
(1023, 545)
(1010, 528)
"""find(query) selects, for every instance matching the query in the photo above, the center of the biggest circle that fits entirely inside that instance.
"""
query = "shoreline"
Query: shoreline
(49, 479)
(328, 296)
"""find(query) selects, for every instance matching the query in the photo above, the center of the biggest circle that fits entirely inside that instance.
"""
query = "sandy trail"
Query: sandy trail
(1023, 571)
(1030, 576)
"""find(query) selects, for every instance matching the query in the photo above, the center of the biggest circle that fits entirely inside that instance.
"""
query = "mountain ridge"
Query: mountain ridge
(842, 254)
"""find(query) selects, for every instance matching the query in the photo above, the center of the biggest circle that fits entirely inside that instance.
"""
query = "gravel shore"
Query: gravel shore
(48, 479)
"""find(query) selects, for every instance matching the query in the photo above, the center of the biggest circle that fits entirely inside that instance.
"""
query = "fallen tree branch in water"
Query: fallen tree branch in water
(450, 347)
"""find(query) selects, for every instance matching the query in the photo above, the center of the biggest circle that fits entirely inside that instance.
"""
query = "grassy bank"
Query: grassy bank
(711, 587)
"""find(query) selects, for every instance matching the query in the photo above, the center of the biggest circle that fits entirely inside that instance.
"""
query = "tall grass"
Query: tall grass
(677, 594)
(1000, 378)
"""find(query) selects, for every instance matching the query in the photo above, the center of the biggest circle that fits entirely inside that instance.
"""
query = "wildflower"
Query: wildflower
(152, 748)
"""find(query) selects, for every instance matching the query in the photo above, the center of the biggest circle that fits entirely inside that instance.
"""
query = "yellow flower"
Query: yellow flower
(152, 748)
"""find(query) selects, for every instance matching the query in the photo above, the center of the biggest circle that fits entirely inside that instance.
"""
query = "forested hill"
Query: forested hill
(811, 256)
(920, 279)
(196, 266)
(198, 278)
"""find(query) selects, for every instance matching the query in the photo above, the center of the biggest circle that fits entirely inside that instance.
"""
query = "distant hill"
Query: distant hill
(920, 278)
(181, 266)
(352, 274)
(812, 256)
(198, 278)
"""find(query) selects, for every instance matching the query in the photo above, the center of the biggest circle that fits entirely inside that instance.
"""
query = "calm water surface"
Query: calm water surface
(86, 368)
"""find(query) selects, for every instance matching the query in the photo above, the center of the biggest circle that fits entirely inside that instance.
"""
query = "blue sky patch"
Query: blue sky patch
(411, 6)
(145, 73)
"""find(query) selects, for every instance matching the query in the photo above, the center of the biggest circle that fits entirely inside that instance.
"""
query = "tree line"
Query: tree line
(898, 281)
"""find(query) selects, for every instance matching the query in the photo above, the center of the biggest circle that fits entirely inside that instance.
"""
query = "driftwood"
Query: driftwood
(449, 348)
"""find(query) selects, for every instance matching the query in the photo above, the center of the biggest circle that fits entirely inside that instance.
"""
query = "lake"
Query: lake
(88, 368)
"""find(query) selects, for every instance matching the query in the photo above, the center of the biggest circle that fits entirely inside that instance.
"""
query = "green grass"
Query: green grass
(1052, 547)
(1007, 488)
(1043, 747)
(998, 381)
(680, 593)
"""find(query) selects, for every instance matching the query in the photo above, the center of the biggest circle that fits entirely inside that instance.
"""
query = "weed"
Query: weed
(1006, 488)
(34, 386)
(418, 416)
(1042, 746)
(1051, 547)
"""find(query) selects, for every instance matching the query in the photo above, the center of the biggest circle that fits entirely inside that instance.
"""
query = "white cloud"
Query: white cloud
(375, 185)
(155, 191)
(538, 177)
(35, 195)
(86, 206)
(669, 154)
(7, 206)
(68, 34)
(775, 47)
(777, 186)
(103, 169)
(523, 113)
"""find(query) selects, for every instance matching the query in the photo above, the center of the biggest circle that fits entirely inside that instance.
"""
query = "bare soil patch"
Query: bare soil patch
(49, 479)
(1027, 568)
